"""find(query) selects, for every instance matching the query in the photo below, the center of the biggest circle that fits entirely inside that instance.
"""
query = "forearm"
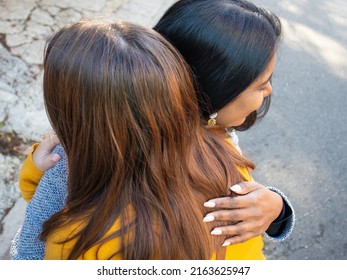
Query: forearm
(49, 198)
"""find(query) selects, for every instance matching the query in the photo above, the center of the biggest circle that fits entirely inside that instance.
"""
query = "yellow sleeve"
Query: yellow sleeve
(29, 176)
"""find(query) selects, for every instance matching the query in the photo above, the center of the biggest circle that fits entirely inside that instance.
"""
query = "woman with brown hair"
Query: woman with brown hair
(119, 97)
(231, 46)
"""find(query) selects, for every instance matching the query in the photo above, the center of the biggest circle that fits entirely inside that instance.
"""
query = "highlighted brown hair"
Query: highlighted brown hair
(121, 100)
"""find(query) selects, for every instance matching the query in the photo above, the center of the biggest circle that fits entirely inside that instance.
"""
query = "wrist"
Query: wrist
(278, 203)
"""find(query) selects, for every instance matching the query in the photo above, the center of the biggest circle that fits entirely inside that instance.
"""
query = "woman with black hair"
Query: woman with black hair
(231, 47)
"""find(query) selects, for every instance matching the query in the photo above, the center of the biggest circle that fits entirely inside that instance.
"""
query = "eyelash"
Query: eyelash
(265, 86)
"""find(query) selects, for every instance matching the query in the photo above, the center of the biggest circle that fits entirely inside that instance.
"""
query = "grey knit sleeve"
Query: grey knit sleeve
(287, 223)
(49, 198)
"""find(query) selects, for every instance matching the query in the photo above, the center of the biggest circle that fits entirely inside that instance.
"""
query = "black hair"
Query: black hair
(227, 43)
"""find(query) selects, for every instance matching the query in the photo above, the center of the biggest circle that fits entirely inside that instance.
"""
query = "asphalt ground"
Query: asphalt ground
(300, 146)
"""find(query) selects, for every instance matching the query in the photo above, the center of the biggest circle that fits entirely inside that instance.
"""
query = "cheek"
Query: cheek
(227, 116)
(260, 101)
(235, 113)
(256, 102)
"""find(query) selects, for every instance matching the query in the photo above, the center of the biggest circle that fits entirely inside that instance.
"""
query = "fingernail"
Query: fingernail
(216, 232)
(226, 243)
(55, 157)
(210, 204)
(208, 218)
(236, 188)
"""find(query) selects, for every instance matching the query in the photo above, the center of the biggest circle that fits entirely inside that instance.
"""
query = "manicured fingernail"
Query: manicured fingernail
(208, 218)
(216, 232)
(226, 243)
(236, 188)
(210, 204)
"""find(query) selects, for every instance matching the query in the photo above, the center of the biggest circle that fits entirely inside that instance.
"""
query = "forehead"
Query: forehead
(266, 74)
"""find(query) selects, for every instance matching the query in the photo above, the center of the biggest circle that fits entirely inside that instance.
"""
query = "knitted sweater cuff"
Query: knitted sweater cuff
(288, 223)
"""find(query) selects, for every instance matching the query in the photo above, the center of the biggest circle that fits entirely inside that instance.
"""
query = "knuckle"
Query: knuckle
(232, 216)
(229, 202)
(239, 230)
(225, 203)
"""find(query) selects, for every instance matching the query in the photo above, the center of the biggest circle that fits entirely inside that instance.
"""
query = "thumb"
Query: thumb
(51, 161)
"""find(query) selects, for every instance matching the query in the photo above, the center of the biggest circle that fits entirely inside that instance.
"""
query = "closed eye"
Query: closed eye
(263, 85)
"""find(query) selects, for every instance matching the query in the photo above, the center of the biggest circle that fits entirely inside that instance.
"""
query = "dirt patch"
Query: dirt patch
(14, 145)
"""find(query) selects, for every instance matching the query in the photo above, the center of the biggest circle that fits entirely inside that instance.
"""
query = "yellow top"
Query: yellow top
(29, 178)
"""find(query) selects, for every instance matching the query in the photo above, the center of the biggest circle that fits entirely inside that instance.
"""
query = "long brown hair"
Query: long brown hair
(122, 102)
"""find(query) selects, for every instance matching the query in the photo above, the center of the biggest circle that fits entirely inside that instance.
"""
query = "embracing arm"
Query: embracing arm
(37, 162)
(49, 198)
(255, 210)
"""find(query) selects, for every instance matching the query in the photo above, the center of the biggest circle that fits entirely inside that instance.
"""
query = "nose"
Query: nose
(268, 90)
